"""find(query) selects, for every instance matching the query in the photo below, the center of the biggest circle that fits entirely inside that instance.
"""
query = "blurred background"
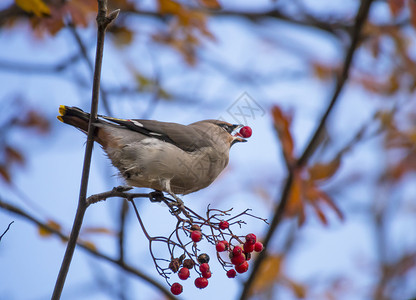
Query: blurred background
(347, 231)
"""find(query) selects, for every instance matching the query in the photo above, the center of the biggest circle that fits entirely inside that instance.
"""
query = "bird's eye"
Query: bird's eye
(226, 127)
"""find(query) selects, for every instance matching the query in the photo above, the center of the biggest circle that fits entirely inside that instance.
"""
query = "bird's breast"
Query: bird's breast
(150, 162)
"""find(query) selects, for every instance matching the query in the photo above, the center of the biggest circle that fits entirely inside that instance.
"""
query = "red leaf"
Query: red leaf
(4, 172)
(13, 155)
(396, 6)
(412, 7)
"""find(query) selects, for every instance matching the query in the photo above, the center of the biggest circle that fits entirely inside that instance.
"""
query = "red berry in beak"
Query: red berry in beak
(246, 132)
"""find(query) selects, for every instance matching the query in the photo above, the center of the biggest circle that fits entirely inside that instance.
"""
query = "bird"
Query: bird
(163, 156)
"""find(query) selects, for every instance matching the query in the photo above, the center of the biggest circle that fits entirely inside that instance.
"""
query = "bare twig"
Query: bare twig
(119, 191)
(123, 283)
(7, 229)
(103, 20)
(278, 215)
(16, 66)
(126, 267)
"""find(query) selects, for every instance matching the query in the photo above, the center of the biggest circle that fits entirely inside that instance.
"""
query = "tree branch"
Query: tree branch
(126, 267)
(103, 20)
(7, 229)
(278, 215)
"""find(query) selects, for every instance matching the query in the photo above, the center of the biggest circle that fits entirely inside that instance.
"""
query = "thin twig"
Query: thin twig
(115, 192)
(7, 229)
(278, 214)
(102, 21)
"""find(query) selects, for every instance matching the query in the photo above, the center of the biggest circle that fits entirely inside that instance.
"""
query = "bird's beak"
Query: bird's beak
(237, 137)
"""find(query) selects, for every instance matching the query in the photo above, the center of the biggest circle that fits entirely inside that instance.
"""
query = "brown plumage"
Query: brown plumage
(169, 157)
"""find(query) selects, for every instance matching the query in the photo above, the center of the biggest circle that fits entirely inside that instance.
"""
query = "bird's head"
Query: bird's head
(225, 131)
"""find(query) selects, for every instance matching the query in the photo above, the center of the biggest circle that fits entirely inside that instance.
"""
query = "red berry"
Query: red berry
(258, 247)
(204, 267)
(251, 238)
(227, 245)
(248, 248)
(246, 132)
(206, 274)
(231, 273)
(238, 259)
(183, 273)
(176, 288)
(196, 236)
(201, 282)
(224, 225)
(237, 250)
(220, 246)
(242, 268)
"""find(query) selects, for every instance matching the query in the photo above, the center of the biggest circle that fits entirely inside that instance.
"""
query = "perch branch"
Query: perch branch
(103, 20)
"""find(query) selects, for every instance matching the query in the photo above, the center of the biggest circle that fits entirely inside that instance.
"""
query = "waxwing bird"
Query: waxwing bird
(169, 157)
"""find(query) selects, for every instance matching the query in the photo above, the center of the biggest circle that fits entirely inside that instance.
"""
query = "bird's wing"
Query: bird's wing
(182, 136)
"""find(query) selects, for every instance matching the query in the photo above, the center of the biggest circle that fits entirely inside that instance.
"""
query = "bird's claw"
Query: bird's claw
(156, 196)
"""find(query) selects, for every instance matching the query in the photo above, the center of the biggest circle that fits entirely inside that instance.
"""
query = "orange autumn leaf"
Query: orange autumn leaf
(282, 123)
(122, 35)
(315, 196)
(81, 11)
(45, 232)
(325, 198)
(267, 275)
(324, 171)
(101, 230)
(37, 7)
(298, 289)
(35, 120)
(211, 4)
(90, 245)
(323, 71)
(295, 205)
(169, 7)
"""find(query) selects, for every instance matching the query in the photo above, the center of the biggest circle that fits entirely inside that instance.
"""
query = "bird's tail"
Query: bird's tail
(74, 116)
(78, 118)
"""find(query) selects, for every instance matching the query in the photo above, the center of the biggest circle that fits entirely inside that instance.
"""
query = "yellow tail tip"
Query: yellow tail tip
(62, 111)
(60, 119)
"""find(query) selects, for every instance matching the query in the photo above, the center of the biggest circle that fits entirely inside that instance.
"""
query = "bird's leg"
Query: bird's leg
(179, 202)
(156, 196)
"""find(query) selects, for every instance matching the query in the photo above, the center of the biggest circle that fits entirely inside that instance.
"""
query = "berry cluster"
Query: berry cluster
(238, 256)
(192, 230)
